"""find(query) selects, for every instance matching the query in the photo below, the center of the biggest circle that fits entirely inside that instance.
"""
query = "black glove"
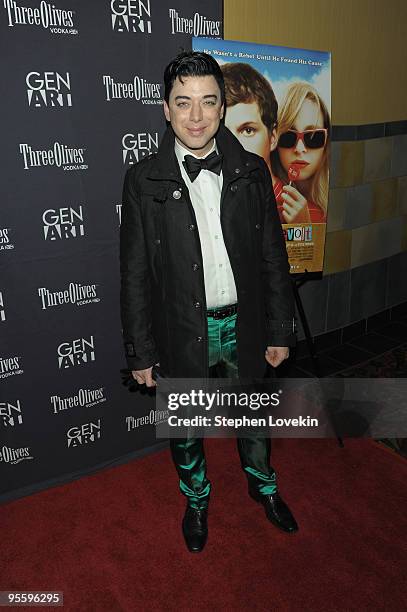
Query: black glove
(128, 380)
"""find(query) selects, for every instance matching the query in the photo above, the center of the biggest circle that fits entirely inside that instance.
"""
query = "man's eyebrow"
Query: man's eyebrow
(189, 97)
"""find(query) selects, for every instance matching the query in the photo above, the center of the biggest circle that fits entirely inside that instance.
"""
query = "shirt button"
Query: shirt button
(195, 266)
(191, 227)
(258, 225)
(237, 170)
(223, 291)
(233, 188)
(199, 339)
(197, 304)
(216, 237)
(157, 241)
(220, 265)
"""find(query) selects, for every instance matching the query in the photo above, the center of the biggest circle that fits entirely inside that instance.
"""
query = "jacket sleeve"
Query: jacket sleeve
(276, 274)
(135, 292)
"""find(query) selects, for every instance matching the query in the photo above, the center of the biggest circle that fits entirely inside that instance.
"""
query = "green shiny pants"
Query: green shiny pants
(188, 453)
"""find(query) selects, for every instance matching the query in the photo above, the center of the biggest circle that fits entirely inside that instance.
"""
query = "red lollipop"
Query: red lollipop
(293, 172)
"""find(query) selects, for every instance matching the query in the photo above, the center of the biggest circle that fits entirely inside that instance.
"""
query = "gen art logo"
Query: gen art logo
(76, 353)
(132, 16)
(48, 89)
(10, 414)
(83, 434)
(63, 223)
(139, 145)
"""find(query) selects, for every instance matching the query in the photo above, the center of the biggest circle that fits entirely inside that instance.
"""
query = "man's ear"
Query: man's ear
(166, 111)
(273, 139)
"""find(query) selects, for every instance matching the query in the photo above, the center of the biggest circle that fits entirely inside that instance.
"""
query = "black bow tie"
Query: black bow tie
(193, 165)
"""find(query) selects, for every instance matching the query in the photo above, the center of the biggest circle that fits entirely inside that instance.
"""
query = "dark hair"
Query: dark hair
(244, 84)
(192, 63)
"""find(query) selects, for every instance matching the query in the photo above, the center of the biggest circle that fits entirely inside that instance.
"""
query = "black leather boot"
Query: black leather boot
(276, 510)
(195, 528)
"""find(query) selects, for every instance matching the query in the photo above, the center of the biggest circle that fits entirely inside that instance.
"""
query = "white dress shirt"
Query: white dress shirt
(205, 193)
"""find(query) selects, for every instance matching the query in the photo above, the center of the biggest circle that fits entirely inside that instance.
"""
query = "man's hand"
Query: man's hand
(276, 355)
(144, 377)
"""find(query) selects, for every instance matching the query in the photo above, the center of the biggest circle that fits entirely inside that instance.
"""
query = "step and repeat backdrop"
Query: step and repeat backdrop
(82, 101)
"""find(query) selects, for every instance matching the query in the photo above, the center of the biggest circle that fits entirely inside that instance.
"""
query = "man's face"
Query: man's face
(194, 111)
(245, 122)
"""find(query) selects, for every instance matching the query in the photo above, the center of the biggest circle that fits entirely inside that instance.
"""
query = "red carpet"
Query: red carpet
(112, 541)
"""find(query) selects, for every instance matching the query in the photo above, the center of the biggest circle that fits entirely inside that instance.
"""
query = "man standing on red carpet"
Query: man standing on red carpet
(205, 277)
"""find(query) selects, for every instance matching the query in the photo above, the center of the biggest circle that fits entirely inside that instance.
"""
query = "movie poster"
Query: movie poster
(278, 104)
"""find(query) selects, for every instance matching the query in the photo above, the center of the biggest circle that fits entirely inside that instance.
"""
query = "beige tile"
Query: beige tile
(384, 199)
(336, 209)
(337, 251)
(376, 241)
(350, 164)
(402, 195)
(359, 206)
(377, 159)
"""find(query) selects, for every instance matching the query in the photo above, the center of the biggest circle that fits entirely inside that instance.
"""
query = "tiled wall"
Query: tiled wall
(365, 269)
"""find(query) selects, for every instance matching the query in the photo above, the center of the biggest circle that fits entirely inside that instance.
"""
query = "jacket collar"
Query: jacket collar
(237, 162)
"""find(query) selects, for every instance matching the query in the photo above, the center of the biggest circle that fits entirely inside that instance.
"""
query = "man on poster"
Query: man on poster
(205, 278)
(251, 115)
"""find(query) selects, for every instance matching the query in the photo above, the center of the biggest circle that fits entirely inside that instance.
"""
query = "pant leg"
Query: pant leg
(189, 458)
(188, 454)
(254, 451)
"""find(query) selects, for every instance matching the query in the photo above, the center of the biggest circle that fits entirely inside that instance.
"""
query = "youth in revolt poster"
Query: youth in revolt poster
(278, 105)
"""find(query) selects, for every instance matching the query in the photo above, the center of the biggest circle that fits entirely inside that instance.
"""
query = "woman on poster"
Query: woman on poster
(300, 163)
